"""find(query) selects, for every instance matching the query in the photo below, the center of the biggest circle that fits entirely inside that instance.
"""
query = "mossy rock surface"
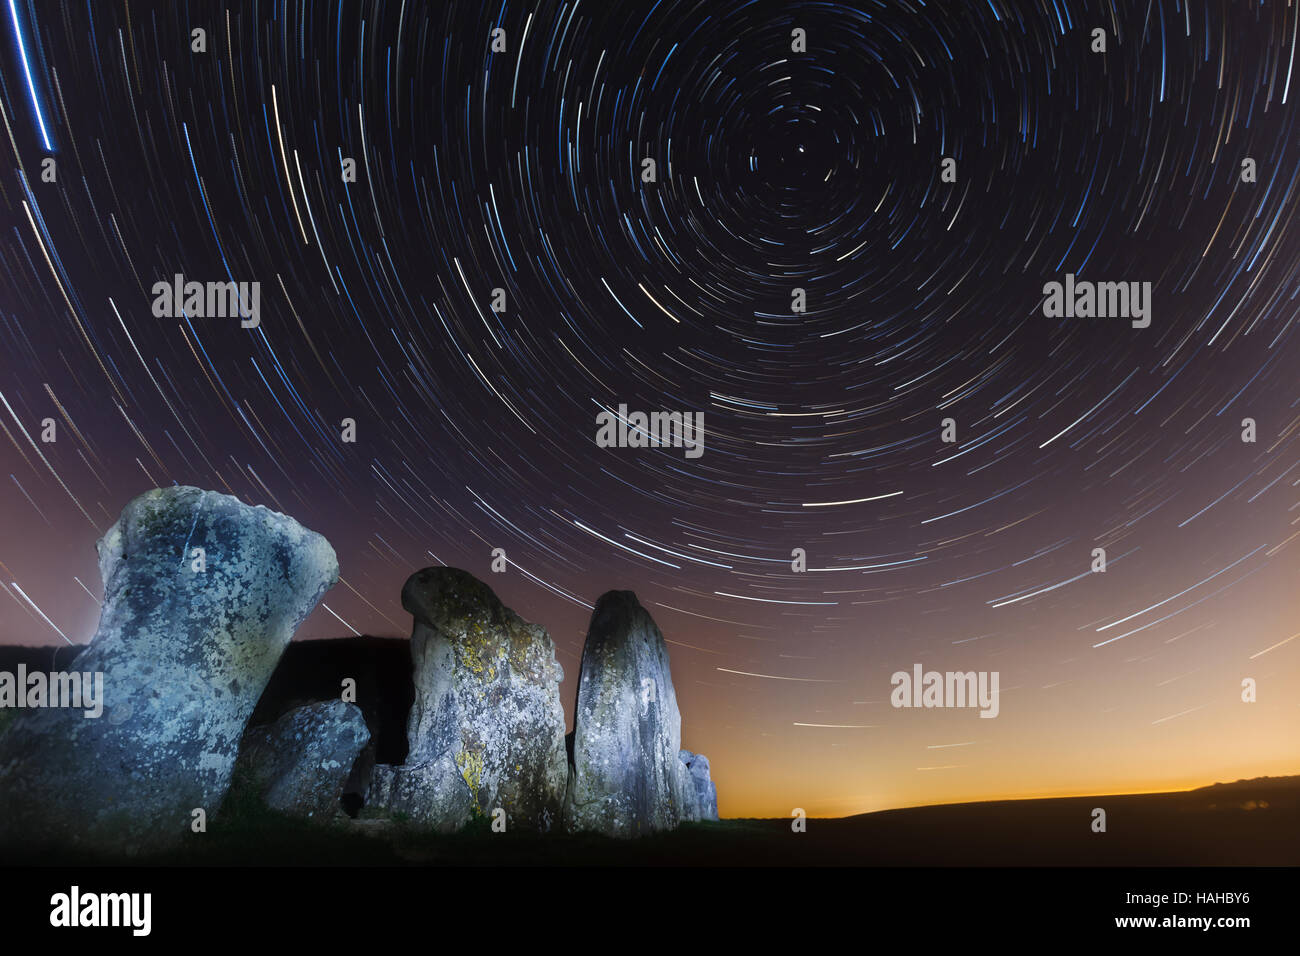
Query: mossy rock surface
(486, 729)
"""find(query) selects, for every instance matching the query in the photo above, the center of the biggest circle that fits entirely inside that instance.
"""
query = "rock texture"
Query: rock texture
(300, 763)
(185, 655)
(627, 777)
(701, 802)
(314, 671)
(486, 730)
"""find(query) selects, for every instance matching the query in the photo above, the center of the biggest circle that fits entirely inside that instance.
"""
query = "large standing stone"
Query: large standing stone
(299, 763)
(627, 778)
(185, 649)
(486, 730)
(702, 801)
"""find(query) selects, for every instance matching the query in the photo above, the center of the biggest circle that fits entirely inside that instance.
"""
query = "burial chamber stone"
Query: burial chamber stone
(300, 763)
(702, 799)
(201, 594)
(627, 778)
(486, 729)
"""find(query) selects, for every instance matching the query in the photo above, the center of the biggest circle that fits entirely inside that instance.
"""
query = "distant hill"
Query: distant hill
(46, 657)
(1253, 787)
(1246, 823)
(1143, 830)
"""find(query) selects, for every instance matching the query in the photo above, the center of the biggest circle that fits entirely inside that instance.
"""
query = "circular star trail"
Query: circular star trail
(505, 266)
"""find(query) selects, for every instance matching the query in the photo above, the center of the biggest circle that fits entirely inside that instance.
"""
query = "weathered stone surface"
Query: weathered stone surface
(185, 655)
(486, 730)
(299, 763)
(314, 670)
(627, 778)
(701, 803)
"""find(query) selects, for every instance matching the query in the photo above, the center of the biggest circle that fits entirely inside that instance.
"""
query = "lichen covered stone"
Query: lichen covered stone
(486, 730)
(201, 594)
(299, 764)
(627, 777)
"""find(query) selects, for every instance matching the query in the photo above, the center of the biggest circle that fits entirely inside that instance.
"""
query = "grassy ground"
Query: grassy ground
(1142, 830)
(1257, 825)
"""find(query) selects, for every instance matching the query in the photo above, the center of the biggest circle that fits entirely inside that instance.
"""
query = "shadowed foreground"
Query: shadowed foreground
(1250, 823)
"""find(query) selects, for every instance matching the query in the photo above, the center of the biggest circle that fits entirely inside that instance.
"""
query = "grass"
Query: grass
(1252, 823)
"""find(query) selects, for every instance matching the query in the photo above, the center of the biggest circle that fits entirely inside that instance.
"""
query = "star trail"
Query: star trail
(826, 228)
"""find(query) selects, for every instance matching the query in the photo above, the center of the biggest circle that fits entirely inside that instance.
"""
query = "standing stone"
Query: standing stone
(702, 801)
(299, 763)
(627, 778)
(185, 648)
(486, 730)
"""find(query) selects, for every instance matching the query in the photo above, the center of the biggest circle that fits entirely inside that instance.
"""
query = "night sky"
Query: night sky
(776, 170)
